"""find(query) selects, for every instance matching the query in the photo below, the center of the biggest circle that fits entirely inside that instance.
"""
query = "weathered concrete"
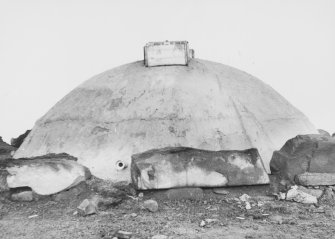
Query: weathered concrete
(133, 108)
(45, 176)
(188, 167)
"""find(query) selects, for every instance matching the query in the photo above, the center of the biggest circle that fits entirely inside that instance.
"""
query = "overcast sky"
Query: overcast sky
(49, 47)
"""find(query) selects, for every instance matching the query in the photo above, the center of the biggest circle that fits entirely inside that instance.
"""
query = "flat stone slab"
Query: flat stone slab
(315, 179)
(174, 167)
(45, 175)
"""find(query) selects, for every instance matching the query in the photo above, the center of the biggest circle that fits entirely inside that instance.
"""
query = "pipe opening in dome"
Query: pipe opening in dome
(120, 165)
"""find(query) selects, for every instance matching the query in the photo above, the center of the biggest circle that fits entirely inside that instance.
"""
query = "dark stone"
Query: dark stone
(3, 180)
(108, 188)
(185, 193)
(71, 193)
(5, 150)
(174, 167)
(16, 142)
(304, 153)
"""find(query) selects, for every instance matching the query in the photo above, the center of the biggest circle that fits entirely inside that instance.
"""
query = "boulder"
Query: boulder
(306, 154)
(45, 175)
(188, 167)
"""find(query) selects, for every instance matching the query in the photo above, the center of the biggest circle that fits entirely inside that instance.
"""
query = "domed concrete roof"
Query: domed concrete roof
(133, 108)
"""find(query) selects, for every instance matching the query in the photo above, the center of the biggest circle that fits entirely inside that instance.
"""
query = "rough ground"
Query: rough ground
(177, 219)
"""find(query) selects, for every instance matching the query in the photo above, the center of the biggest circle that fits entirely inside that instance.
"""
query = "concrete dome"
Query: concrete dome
(133, 108)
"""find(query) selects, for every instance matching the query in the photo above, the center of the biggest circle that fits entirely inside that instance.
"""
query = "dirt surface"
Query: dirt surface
(176, 219)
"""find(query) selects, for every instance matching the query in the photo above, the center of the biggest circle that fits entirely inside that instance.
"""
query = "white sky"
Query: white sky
(49, 47)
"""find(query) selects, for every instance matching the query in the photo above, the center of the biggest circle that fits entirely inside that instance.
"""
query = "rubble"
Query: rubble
(174, 167)
(93, 204)
(88, 207)
(150, 205)
(276, 218)
(244, 198)
(294, 194)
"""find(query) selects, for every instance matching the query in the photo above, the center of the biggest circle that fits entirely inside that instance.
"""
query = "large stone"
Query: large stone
(133, 108)
(45, 175)
(315, 179)
(185, 193)
(188, 167)
(305, 153)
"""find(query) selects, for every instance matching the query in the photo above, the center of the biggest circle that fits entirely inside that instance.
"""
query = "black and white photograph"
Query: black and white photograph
(156, 119)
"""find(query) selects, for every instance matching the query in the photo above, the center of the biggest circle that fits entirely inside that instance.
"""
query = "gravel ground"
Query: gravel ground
(214, 216)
